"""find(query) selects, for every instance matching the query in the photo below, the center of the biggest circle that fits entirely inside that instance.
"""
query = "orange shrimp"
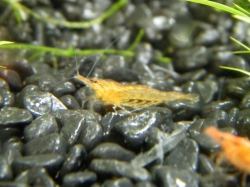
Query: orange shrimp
(235, 149)
(135, 96)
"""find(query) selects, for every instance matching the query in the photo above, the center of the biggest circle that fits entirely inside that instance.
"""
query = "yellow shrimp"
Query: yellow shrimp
(135, 96)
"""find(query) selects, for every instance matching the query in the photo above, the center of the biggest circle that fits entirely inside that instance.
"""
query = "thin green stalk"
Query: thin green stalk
(236, 69)
(219, 6)
(84, 24)
(137, 40)
(66, 52)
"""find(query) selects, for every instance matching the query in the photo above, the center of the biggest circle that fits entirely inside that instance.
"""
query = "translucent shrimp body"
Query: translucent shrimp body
(135, 96)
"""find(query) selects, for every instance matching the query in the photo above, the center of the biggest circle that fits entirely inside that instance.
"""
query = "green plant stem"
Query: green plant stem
(85, 24)
(66, 52)
(137, 40)
(219, 6)
(235, 69)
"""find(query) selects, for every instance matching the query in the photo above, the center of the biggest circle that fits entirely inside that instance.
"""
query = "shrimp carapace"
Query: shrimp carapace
(135, 96)
(235, 149)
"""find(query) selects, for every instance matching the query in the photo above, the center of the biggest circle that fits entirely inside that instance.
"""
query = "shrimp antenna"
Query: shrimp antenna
(77, 71)
(91, 70)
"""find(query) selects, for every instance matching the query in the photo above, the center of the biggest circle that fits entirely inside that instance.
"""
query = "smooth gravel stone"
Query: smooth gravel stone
(40, 68)
(207, 89)
(195, 127)
(20, 65)
(64, 88)
(72, 127)
(26, 90)
(117, 69)
(239, 30)
(51, 162)
(12, 184)
(12, 78)
(194, 75)
(75, 158)
(163, 22)
(144, 184)
(94, 104)
(170, 176)
(243, 123)
(112, 151)
(62, 116)
(121, 182)
(190, 59)
(216, 178)
(245, 102)
(71, 11)
(36, 176)
(7, 98)
(85, 97)
(119, 168)
(140, 16)
(237, 88)
(12, 151)
(14, 116)
(220, 57)
(208, 36)
(165, 119)
(119, 74)
(45, 82)
(40, 103)
(23, 177)
(134, 128)
(212, 107)
(3, 84)
(182, 109)
(191, 87)
(183, 26)
(205, 143)
(218, 118)
(41, 126)
(1, 98)
(144, 53)
(70, 102)
(166, 142)
(8, 132)
(157, 83)
(91, 134)
(51, 143)
(233, 115)
(109, 120)
(205, 165)
(238, 62)
(78, 179)
(96, 185)
(5, 170)
(184, 156)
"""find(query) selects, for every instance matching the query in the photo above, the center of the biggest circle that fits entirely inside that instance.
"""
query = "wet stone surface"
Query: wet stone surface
(56, 131)
(119, 168)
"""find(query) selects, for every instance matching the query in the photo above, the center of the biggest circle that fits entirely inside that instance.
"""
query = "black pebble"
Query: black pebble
(78, 179)
(184, 156)
(51, 162)
(51, 143)
(119, 168)
(14, 116)
(41, 126)
(112, 151)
